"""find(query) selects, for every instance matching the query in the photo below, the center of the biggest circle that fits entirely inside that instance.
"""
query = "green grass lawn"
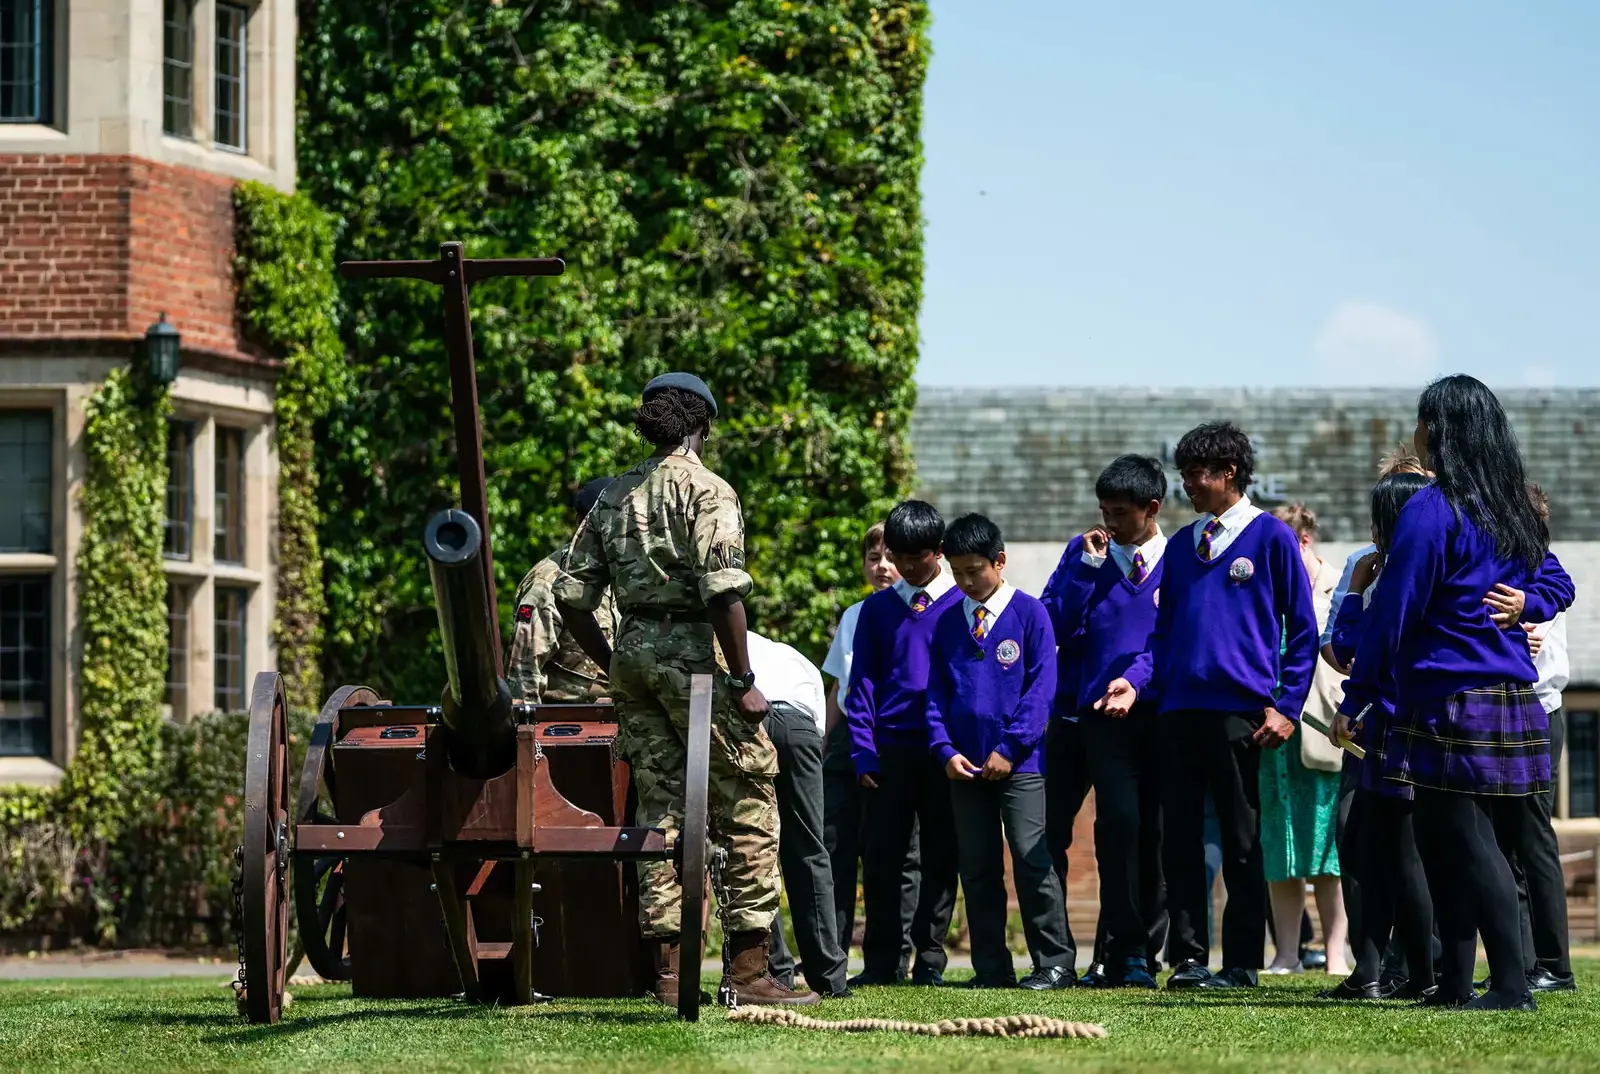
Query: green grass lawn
(190, 1025)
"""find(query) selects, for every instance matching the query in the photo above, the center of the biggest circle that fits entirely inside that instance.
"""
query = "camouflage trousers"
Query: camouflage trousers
(651, 665)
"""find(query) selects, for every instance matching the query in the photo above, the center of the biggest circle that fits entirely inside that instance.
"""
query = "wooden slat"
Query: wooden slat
(494, 952)
(355, 838)
(457, 925)
(621, 844)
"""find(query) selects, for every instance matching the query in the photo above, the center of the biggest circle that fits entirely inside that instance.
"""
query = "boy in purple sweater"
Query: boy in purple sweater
(1230, 665)
(1102, 604)
(904, 786)
(991, 680)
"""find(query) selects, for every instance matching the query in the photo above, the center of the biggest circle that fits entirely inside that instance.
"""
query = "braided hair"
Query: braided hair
(671, 416)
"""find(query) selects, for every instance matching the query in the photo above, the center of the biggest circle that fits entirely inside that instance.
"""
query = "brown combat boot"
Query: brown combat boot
(664, 952)
(751, 982)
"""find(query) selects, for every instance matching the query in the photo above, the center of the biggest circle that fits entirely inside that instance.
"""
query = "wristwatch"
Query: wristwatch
(740, 685)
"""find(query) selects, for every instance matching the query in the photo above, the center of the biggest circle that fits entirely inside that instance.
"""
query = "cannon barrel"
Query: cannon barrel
(479, 722)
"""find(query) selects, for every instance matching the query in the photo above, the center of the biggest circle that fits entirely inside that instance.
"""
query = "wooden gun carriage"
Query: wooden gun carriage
(479, 846)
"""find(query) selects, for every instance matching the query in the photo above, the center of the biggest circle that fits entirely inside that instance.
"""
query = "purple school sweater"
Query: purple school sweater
(1427, 633)
(1234, 634)
(997, 696)
(1101, 619)
(887, 703)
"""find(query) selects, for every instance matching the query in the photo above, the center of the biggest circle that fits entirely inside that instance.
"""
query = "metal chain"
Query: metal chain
(727, 995)
(241, 982)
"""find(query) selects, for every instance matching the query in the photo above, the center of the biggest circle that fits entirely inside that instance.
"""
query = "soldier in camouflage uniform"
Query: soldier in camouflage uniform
(546, 663)
(668, 537)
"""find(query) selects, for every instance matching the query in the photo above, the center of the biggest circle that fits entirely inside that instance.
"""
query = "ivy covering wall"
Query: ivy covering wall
(734, 187)
(287, 302)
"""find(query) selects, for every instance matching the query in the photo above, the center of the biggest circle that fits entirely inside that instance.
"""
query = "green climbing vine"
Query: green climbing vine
(287, 298)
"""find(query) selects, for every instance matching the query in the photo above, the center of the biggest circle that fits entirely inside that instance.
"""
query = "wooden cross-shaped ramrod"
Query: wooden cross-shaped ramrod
(453, 273)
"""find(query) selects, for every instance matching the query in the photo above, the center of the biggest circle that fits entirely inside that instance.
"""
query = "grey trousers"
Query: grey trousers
(987, 812)
(842, 830)
(807, 871)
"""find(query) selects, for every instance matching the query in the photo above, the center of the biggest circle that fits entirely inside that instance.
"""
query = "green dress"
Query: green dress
(1300, 805)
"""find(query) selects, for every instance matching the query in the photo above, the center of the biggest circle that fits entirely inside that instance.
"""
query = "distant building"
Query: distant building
(124, 125)
(1028, 458)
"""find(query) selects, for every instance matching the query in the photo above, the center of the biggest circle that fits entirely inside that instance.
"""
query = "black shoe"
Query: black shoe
(1345, 990)
(1494, 1001)
(1405, 988)
(1188, 974)
(873, 979)
(991, 980)
(926, 978)
(1313, 959)
(1049, 979)
(1135, 976)
(1484, 985)
(842, 993)
(1231, 977)
(1543, 980)
(1095, 977)
(1435, 999)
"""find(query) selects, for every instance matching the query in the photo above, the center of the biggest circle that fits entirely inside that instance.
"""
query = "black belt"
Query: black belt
(661, 615)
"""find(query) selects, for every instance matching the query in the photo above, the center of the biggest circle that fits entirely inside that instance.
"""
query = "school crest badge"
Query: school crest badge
(1241, 571)
(1155, 595)
(1008, 652)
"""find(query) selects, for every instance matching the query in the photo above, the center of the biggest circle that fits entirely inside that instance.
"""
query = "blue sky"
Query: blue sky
(1270, 193)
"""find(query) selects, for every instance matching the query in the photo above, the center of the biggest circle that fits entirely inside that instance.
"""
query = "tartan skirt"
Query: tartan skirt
(1493, 740)
(1373, 738)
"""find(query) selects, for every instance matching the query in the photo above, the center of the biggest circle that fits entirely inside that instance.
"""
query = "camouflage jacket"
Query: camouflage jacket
(666, 536)
(546, 662)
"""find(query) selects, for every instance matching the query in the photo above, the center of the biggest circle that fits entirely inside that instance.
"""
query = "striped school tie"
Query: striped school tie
(979, 627)
(920, 602)
(1213, 528)
(1137, 573)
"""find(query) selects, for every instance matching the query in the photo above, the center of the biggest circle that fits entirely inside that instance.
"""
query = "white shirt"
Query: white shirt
(1342, 590)
(1233, 520)
(995, 604)
(782, 674)
(1152, 551)
(941, 584)
(1552, 664)
(837, 663)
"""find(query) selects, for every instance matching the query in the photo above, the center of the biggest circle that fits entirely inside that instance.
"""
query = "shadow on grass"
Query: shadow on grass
(230, 1030)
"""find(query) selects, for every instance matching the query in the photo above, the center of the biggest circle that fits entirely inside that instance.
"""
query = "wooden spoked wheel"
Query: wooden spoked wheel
(695, 834)
(265, 896)
(319, 881)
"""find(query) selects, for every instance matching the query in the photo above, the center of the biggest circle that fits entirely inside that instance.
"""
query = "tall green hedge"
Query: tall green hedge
(734, 187)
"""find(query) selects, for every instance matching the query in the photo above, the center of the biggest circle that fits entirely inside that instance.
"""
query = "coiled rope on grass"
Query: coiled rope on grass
(1011, 1025)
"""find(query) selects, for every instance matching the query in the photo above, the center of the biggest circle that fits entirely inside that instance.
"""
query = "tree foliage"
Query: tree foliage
(734, 186)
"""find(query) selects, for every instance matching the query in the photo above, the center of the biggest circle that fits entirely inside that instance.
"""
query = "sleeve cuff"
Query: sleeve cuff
(1009, 749)
(573, 593)
(732, 580)
(944, 751)
(1089, 559)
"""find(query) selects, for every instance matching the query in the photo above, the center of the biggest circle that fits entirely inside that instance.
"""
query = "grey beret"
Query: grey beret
(687, 381)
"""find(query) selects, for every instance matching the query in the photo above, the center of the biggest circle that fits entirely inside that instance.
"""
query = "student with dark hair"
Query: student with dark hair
(1468, 734)
(886, 706)
(990, 683)
(1230, 665)
(1102, 604)
(1379, 840)
(843, 797)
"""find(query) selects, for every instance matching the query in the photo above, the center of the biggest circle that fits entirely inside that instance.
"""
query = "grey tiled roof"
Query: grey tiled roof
(1029, 457)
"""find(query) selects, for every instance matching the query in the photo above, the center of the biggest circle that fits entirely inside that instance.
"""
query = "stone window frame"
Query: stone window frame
(241, 78)
(45, 62)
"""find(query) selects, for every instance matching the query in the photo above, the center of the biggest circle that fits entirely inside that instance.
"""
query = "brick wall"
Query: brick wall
(97, 246)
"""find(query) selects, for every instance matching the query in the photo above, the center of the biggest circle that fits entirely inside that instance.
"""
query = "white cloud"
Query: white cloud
(1363, 343)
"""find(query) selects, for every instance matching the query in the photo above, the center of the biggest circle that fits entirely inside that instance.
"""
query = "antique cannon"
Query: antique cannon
(479, 845)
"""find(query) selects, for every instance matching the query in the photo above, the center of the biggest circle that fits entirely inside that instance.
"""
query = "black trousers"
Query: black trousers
(1124, 765)
(1473, 891)
(807, 872)
(912, 790)
(1349, 838)
(1394, 888)
(1066, 775)
(988, 814)
(1211, 751)
(843, 832)
(1530, 842)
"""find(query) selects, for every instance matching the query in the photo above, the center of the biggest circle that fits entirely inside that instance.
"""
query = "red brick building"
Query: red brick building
(124, 126)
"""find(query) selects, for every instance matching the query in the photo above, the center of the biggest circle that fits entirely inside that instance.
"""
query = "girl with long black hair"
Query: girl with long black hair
(1468, 733)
